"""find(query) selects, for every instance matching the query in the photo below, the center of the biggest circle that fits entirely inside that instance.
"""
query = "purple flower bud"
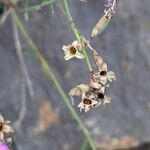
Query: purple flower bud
(109, 5)
(110, 9)
(3, 147)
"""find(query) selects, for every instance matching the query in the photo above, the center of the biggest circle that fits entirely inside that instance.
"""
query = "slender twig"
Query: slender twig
(39, 6)
(5, 15)
(76, 33)
(85, 145)
(26, 15)
(49, 73)
(23, 110)
(21, 60)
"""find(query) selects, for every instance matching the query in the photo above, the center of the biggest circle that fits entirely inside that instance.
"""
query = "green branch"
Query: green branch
(39, 6)
(49, 73)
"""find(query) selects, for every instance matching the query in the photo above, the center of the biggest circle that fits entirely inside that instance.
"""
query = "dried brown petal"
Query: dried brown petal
(79, 89)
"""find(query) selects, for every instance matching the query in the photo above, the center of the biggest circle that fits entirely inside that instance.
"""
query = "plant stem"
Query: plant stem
(85, 145)
(76, 33)
(39, 6)
(23, 66)
(49, 73)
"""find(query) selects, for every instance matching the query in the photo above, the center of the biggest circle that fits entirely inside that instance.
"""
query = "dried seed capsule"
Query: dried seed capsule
(100, 26)
(104, 21)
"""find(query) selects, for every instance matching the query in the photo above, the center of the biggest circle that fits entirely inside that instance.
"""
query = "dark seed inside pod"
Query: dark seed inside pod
(87, 101)
(100, 95)
(1, 126)
(72, 50)
(103, 73)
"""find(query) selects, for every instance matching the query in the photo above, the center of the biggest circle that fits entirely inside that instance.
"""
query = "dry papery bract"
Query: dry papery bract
(5, 130)
(93, 93)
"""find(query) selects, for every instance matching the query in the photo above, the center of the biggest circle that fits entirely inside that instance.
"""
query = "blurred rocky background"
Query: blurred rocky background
(47, 123)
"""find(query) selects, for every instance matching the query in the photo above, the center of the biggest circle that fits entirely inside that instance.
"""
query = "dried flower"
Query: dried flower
(93, 94)
(105, 74)
(102, 98)
(78, 90)
(105, 19)
(87, 102)
(5, 129)
(73, 50)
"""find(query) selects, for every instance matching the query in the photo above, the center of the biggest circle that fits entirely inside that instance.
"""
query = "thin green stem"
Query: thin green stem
(85, 145)
(49, 73)
(76, 33)
(39, 6)
(26, 15)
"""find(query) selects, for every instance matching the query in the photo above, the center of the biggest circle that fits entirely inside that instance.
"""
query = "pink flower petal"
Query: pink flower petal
(4, 147)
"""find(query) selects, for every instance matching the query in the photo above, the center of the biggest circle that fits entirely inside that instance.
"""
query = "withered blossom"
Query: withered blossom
(103, 74)
(93, 94)
(105, 19)
(102, 98)
(99, 79)
(5, 129)
(88, 101)
(73, 50)
(78, 90)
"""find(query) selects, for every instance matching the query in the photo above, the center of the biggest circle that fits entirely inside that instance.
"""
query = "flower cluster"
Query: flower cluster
(5, 130)
(93, 94)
